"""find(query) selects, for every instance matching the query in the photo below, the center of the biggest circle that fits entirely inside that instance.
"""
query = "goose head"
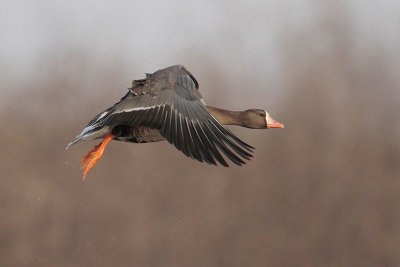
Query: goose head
(258, 119)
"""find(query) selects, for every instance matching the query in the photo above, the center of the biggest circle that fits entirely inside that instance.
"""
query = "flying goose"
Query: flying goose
(167, 105)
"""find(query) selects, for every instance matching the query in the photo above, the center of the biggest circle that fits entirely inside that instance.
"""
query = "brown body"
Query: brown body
(167, 105)
(253, 118)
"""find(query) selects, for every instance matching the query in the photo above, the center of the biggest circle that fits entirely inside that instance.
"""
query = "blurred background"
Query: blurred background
(324, 191)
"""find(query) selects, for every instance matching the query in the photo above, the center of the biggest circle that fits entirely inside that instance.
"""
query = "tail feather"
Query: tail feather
(90, 134)
(76, 140)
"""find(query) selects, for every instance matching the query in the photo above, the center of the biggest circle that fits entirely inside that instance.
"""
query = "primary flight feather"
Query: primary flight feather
(167, 105)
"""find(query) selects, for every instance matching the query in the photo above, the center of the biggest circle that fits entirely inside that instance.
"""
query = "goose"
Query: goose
(167, 105)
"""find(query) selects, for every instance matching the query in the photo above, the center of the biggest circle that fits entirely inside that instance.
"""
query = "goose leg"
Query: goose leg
(94, 155)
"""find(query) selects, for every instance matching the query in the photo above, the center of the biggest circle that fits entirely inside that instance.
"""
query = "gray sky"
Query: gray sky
(242, 36)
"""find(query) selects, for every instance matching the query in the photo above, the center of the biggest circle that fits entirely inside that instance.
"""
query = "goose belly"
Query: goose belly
(138, 135)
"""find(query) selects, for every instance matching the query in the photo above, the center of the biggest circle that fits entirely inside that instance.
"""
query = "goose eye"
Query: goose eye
(261, 114)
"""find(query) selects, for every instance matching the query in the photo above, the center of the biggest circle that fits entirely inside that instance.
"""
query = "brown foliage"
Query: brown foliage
(323, 191)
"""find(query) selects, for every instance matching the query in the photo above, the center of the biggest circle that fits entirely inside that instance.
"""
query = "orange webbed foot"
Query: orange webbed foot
(94, 155)
(89, 156)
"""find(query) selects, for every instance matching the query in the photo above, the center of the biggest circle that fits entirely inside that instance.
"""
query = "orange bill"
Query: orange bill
(271, 123)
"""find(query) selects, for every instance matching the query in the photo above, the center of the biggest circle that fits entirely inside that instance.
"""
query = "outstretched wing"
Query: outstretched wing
(169, 100)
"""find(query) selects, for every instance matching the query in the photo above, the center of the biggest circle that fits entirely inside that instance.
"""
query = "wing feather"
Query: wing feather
(169, 101)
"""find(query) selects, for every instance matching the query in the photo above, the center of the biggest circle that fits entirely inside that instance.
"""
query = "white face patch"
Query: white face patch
(267, 118)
